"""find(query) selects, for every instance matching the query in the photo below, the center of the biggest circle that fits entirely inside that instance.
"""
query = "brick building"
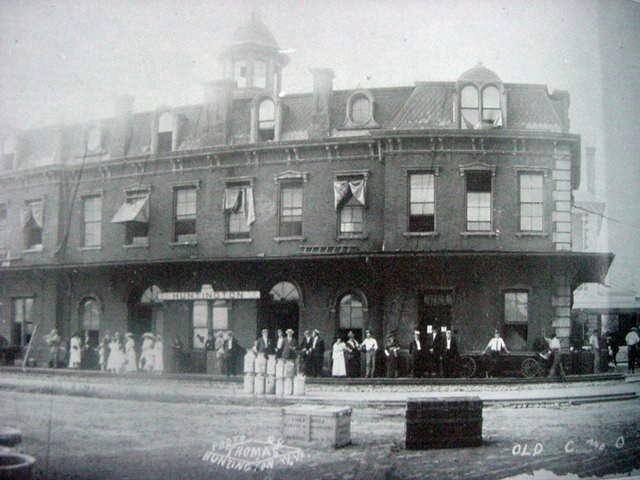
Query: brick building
(441, 203)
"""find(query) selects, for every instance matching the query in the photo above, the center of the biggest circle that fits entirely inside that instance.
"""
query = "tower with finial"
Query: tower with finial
(253, 59)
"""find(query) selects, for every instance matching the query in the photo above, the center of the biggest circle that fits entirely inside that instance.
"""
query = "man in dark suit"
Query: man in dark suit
(288, 351)
(417, 352)
(231, 350)
(431, 351)
(317, 354)
(265, 344)
(304, 356)
(352, 355)
(449, 353)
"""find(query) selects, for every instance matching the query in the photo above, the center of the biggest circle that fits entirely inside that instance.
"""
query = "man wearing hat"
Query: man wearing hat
(391, 350)
(417, 352)
(370, 347)
(316, 353)
(230, 357)
(304, 361)
(352, 355)
(265, 344)
(632, 341)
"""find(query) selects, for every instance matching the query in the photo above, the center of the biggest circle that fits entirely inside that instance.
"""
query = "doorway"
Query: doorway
(280, 310)
(435, 310)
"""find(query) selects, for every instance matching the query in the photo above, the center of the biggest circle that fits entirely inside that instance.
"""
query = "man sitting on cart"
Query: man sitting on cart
(495, 347)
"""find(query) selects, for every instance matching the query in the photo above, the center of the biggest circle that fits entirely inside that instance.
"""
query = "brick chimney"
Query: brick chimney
(218, 100)
(322, 92)
(590, 169)
(122, 133)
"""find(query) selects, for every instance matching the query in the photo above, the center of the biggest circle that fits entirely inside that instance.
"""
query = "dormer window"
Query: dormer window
(94, 139)
(165, 133)
(266, 120)
(491, 112)
(469, 107)
(8, 153)
(360, 110)
(241, 73)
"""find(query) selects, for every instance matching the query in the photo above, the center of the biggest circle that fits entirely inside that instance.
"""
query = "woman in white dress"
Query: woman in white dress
(146, 356)
(103, 351)
(338, 368)
(75, 351)
(116, 357)
(158, 359)
(131, 355)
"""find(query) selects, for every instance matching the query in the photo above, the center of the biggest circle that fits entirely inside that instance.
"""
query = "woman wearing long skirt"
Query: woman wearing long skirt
(75, 351)
(131, 355)
(158, 359)
(103, 352)
(338, 368)
(146, 355)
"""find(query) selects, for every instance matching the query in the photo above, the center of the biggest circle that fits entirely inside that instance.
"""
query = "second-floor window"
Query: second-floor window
(165, 133)
(241, 73)
(421, 202)
(349, 199)
(184, 222)
(531, 202)
(479, 185)
(290, 211)
(239, 210)
(92, 221)
(32, 223)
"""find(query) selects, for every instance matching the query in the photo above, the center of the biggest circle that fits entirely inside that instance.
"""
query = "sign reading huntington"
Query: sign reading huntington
(240, 453)
(208, 293)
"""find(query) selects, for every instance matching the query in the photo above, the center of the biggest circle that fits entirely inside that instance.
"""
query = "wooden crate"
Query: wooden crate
(322, 425)
(443, 423)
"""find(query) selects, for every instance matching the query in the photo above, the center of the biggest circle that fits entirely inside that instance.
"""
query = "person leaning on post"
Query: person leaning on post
(555, 348)
(495, 347)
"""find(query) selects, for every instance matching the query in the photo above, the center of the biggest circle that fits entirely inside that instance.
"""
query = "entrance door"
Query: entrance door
(280, 310)
(435, 310)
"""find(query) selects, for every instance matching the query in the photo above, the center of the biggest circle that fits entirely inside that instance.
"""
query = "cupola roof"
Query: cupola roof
(479, 74)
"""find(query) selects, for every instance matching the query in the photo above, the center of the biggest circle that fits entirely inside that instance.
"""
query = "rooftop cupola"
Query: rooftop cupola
(253, 59)
(481, 99)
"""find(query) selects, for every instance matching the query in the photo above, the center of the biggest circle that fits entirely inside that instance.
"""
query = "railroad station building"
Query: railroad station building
(439, 203)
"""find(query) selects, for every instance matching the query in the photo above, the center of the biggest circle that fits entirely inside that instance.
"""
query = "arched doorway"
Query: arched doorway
(351, 310)
(281, 309)
(141, 312)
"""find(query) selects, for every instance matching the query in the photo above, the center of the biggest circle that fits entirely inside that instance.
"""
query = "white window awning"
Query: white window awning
(133, 211)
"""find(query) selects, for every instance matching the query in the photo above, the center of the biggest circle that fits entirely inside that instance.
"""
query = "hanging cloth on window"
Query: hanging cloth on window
(340, 192)
(251, 212)
(358, 190)
(35, 212)
(232, 200)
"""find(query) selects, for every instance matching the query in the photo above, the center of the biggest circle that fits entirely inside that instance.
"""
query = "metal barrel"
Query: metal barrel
(443, 423)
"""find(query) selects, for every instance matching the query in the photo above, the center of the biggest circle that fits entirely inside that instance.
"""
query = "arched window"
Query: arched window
(469, 107)
(491, 113)
(165, 132)
(360, 110)
(351, 315)
(284, 292)
(266, 120)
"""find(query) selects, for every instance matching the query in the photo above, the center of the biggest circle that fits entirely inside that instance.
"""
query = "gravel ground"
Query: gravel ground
(88, 438)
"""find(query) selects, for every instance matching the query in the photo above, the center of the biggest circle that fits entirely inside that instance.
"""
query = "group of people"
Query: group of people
(226, 350)
(308, 354)
(113, 353)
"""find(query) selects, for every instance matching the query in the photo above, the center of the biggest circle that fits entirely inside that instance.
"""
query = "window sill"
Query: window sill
(479, 234)
(531, 234)
(33, 250)
(420, 234)
(90, 249)
(238, 240)
(185, 243)
(136, 245)
(352, 237)
(298, 238)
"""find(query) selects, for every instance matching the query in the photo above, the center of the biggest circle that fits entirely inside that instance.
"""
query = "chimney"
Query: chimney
(322, 90)
(123, 105)
(218, 100)
(590, 169)
(122, 109)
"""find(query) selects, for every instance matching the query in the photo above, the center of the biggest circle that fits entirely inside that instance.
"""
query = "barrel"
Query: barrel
(289, 368)
(258, 384)
(287, 388)
(299, 385)
(10, 437)
(443, 423)
(271, 365)
(280, 368)
(279, 386)
(270, 385)
(16, 466)
(249, 380)
(261, 364)
(249, 362)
